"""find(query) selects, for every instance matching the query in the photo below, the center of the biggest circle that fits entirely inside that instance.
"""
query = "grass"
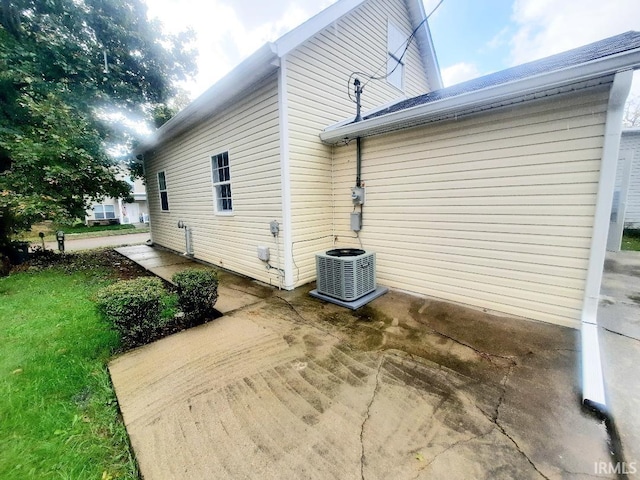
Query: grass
(58, 410)
(631, 240)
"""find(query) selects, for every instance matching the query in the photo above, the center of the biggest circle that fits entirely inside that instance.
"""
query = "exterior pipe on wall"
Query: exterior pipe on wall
(593, 393)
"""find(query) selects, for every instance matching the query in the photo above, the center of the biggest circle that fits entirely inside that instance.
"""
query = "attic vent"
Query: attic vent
(346, 273)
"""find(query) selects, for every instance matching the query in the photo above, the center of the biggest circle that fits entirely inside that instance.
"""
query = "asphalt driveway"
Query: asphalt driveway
(292, 387)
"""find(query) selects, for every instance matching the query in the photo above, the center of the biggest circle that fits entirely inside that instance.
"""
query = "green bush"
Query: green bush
(135, 308)
(197, 294)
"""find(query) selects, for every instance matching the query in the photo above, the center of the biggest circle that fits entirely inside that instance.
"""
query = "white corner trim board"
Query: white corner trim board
(285, 175)
(593, 392)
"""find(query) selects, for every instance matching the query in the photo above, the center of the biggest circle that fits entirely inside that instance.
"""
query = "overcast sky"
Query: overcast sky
(471, 37)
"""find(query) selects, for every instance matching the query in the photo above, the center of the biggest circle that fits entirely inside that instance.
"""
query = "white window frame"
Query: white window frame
(396, 42)
(222, 192)
(103, 207)
(163, 190)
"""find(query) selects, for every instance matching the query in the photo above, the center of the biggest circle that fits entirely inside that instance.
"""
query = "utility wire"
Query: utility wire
(398, 62)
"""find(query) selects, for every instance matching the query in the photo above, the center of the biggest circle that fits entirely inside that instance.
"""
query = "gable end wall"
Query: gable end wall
(317, 75)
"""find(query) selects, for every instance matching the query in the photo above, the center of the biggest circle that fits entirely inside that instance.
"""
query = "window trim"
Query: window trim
(392, 56)
(215, 184)
(104, 212)
(161, 190)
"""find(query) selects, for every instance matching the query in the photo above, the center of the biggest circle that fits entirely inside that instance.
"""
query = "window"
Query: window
(104, 212)
(222, 182)
(162, 188)
(396, 43)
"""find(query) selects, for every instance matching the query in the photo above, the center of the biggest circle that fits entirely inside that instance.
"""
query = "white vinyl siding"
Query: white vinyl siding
(317, 77)
(248, 130)
(630, 142)
(495, 210)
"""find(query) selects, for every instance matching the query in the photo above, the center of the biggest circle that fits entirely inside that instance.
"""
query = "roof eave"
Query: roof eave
(516, 89)
(425, 42)
(253, 69)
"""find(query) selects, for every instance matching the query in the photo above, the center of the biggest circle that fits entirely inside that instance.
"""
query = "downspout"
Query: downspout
(593, 393)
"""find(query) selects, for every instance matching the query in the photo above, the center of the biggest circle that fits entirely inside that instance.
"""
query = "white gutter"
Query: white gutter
(593, 393)
(237, 82)
(515, 89)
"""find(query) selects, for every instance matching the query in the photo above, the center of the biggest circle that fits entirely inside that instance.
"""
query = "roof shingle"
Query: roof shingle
(587, 53)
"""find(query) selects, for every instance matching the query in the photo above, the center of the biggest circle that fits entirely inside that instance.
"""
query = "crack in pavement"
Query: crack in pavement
(368, 414)
(481, 353)
(621, 334)
(450, 447)
(495, 419)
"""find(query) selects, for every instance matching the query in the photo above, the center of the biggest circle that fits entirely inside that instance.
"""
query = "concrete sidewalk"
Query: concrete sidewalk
(288, 386)
(619, 334)
(73, 245)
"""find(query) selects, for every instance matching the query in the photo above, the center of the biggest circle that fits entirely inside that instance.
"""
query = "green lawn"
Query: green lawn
(631, 240)
(58, 411)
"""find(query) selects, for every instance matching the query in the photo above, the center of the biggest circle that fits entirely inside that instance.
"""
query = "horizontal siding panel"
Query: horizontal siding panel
(317, 75)
(249, 130)
(494, 211)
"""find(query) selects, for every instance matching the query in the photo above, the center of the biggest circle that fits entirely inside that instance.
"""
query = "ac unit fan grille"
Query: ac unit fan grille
(346, 278)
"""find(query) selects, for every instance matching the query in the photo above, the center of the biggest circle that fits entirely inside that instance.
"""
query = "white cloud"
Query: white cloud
(230, 30)
(459, 73)
(545, 27)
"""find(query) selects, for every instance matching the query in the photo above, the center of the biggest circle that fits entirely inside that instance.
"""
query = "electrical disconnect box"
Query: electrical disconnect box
(357, 195)
(274, 226)
(263, 253)
(356, 221)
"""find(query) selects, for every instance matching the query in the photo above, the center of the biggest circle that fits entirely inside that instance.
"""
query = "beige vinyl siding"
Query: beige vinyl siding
(249, 131)
(317, 75)
(494, 211)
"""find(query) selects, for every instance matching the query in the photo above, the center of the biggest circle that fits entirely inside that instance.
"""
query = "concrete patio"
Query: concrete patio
(287, 386)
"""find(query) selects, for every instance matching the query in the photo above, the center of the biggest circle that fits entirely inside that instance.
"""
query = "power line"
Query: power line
(393, 54)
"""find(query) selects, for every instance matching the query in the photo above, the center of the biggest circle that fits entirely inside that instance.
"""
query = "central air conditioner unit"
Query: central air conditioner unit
(346, 273)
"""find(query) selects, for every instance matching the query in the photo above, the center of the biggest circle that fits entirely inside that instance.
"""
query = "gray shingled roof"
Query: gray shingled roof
(594, 51)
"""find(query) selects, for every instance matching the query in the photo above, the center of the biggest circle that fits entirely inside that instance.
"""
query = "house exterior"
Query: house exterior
(495, 193)
(628, 177)
(117, 210)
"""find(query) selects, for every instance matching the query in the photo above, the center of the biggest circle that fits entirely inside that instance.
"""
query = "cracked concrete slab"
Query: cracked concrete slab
(404, 388)
(619, 335)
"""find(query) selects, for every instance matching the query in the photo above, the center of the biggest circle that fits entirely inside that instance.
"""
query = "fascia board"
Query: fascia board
(515, 89)
(425, 44)
(315, 24)
(235, 83)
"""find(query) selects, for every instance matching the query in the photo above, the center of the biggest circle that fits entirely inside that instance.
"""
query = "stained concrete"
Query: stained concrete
(403, 388)
(619, 333)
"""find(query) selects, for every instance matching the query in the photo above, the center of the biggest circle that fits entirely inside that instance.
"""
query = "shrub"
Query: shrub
(134, 307)
(197, 294)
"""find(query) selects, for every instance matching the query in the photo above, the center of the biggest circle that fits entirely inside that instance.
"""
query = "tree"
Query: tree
(65, 66)
(631, 116)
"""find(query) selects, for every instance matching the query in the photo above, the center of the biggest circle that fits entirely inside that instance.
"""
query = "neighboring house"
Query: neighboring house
(625, 209)
(494, 193)
(116, 210)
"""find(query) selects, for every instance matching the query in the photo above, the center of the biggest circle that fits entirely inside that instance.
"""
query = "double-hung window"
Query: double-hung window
(396, 44)
(162, 188)
(104, 212)
(222, 182)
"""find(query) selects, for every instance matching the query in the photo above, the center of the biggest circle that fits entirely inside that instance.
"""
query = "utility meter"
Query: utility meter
(357, 195)
(274, 226)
